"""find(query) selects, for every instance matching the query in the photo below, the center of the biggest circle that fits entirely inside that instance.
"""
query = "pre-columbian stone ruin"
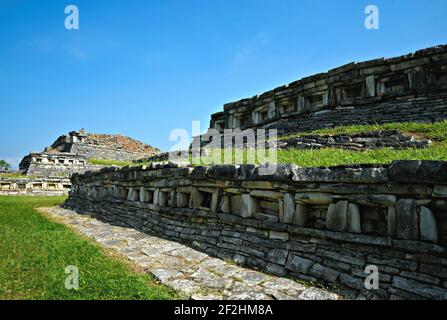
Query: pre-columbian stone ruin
(48, 172)
(321, 224)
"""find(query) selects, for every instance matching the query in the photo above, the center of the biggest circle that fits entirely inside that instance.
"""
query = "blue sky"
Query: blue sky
(143, 68)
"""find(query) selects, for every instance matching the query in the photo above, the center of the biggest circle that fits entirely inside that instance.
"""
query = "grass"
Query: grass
(437, 132)
(111, 163)
(35, 251)
(14, 175)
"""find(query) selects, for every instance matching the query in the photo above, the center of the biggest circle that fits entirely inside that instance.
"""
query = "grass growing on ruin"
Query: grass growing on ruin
(13, 175)
(437, 132)
(34, 253)
(434, 131)
(330, 156)
(111, 163)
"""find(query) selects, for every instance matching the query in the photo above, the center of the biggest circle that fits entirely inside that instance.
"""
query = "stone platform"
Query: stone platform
(194, 274)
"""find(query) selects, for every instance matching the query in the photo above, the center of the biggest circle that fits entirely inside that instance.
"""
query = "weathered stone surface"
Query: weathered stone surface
(298, 264)
(317, 294)
(194, 274)
(289, 208)
(262, 241)
(428, 225)
(407, 221)
(440, 191)
(353, 222)
(314, 198)
(391, 221)
(248, 206)
(375, 200)
(279, 235)
(337, 216)
(300, 216)
(423, 289)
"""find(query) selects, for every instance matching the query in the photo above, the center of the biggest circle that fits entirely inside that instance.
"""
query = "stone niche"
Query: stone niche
(319, 224)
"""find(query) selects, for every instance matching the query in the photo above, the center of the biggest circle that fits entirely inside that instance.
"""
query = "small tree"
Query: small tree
(5, 164)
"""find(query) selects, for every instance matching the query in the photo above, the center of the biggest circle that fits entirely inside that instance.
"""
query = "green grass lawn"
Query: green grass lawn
(35, 251)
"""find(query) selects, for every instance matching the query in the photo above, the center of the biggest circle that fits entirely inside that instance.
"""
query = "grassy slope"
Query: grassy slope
(35, 251)
(437, 132)
(111, 163)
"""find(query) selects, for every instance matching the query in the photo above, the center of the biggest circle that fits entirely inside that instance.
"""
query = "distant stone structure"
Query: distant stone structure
(412, 87)
(4, 169)
(73, 153)
(34, 186)
(48, 172)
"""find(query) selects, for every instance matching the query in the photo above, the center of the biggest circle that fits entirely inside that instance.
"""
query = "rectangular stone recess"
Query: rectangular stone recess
(315, 101)
(22, 186)
(183, 199)
(352, 91)
(394, 85)
(148, 195)
(205, 199)
(51, 186)
(37, 185)
(267, 208)
(293, 228)
(164, 198)
(5, 185)
(441, 80)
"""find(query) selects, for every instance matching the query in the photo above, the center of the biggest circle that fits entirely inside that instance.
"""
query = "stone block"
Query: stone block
(353, 223)
(428, 225)
(371, 85)
(278, 235)
(337, 216)
(407, 221)
(298, 264)
(300, 216)
(314, 198)
(225, 204)
(391, 221)
(277, 256)
(266, 194)
(374, 200)
(248, 208)
(288, 208)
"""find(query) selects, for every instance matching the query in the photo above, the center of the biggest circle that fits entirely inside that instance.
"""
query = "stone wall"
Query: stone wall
(73, 152)
(103, 146)
(407, 88)
(60, 165)
(317, 224)
(34, 186)
(361, 141)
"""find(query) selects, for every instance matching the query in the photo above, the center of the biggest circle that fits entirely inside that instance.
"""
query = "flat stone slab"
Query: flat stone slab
(193, 273)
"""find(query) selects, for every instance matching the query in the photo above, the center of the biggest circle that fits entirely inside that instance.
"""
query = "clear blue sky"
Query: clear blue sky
(143, 68)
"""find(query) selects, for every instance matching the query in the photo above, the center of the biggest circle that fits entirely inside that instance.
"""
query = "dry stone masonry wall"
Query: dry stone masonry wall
(361, 141)
(34, 187)
(317, 224)
(73, 153)
(407, 88)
